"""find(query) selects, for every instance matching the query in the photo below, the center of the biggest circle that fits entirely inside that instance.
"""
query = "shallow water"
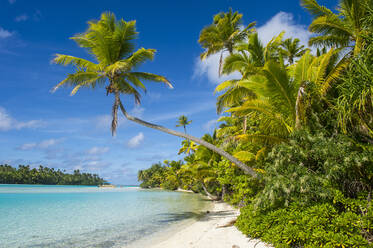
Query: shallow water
(82, 216)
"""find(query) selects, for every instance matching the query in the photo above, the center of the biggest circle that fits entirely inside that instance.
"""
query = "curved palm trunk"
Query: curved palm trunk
(212, 197)
(242, 166)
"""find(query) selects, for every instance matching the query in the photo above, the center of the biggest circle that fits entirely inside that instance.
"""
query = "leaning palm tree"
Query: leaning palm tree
(183, 122)
(110, 42)
(223, 34)
(291, 49)
(345, 29)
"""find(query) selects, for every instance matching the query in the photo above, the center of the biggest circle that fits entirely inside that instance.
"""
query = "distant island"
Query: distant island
(44, 175)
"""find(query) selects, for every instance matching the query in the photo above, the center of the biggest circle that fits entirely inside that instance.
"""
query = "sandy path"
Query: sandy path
(208, 232)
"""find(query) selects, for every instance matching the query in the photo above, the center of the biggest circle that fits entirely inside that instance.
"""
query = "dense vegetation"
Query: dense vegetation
(301, 118)
(43, 175)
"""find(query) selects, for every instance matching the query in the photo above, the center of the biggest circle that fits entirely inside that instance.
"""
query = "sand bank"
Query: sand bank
(213, 230)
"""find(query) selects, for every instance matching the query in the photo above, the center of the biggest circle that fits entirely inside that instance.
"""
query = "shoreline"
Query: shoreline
(214, 229)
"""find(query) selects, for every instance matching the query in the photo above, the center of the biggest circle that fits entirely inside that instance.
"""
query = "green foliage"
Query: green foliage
(310, 167)
(170, 183)
(319, 225)
(159, 175)
(45, 175)
(355, 102)
(241, 188)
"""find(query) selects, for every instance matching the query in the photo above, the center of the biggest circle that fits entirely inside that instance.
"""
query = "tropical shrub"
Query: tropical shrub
(310, 167)
(170, 183)
(355, 102)
(319, 225)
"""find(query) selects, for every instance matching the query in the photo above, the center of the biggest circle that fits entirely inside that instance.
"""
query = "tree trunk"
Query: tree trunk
(220, 63)
(298, 103)
(212, 197)
(223, 191)
(244, 124)
(242, 166)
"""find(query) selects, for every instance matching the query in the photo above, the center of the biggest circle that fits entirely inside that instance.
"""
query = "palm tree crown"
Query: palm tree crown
(183, 122)
(111, 44)
(290, 49)
(223, 34)
(343, 29)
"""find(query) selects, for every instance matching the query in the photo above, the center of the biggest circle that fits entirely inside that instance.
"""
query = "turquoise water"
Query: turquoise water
(79, 216)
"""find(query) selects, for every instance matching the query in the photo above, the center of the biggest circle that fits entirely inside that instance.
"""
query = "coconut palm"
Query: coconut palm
(183, 122)
(248, 60)
(223, 34)
(281, 92)
(344, 29)
(290, 49)
(110, 42)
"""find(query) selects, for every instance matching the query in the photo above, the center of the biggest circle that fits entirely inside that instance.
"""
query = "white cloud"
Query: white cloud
(210, 125)
(43, 145)
(283, 21)
(21, 18)
(7, 122)
(27, 146)
(48, 143)
(210, 68)
(98, 150)
(136, 140)
(5, 33)
(280, 22)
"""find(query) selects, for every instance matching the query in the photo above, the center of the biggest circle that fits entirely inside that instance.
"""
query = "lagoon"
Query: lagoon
(86, 216)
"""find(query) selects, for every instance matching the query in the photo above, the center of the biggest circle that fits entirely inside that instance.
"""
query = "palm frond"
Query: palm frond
(151, 77)
(82, 79)
(80, 63)
(314, 8)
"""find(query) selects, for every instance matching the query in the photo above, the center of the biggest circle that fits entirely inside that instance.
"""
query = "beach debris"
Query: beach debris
(230, 223)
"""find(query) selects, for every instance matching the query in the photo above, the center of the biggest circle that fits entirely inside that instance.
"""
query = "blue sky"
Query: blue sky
(60, 131)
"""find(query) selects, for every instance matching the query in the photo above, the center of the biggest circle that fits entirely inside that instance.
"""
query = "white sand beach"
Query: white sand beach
(213, 230)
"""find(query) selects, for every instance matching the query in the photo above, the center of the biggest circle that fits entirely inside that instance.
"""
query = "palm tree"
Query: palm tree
(110, 42)
(281, 92)
(290, 49)
(344, 29)
(183, 122)
(248, 60)
(223, 34)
